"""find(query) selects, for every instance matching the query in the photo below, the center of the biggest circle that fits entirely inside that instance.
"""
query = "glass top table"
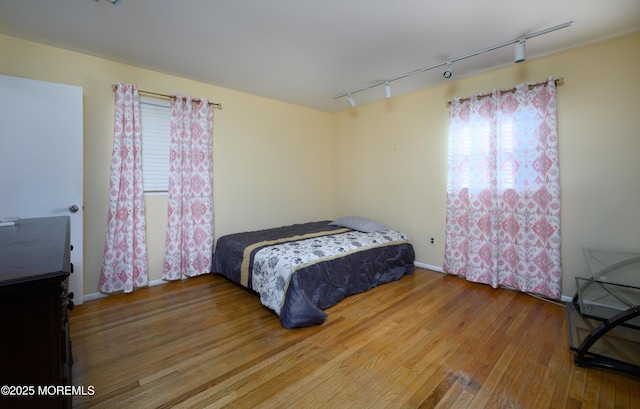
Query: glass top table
(604, 315)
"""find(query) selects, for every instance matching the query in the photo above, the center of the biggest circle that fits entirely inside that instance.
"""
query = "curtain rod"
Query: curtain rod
(558, 81)
(167, 96)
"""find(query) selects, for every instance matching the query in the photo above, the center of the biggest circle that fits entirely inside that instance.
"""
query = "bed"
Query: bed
(302, 269)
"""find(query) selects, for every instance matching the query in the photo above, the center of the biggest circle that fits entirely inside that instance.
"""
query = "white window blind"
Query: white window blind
(155, 144)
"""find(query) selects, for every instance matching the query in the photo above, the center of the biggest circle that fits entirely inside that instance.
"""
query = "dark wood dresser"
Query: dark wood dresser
(35, 349)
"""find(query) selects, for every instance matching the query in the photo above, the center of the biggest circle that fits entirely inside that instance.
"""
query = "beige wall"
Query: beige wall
(271, 159)
(277, 163)
(391, 155)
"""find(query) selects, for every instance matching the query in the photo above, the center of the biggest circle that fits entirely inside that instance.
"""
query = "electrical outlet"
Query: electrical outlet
(432, 241)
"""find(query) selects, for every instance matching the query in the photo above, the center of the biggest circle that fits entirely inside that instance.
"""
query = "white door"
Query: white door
(41, 157)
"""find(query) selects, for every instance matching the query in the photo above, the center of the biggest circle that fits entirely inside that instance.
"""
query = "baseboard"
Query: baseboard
(95, 296)
(428, 267)
(98, 295)
(563, 298)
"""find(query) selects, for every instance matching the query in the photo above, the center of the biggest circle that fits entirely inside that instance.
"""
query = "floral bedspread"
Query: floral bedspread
(273, 266)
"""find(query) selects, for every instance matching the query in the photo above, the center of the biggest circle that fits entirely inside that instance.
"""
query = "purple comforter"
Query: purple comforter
(320, 285)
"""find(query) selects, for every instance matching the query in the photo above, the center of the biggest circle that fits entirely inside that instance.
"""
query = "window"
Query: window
(479, 154)
(155, 119)
(503, 190)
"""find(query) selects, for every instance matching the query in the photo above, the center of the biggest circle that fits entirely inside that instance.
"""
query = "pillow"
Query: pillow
(358, 223)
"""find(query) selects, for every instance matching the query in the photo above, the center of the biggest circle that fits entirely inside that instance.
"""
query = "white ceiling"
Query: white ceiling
(307, 52)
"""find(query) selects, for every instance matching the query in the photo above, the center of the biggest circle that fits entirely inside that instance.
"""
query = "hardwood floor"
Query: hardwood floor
(429, 340)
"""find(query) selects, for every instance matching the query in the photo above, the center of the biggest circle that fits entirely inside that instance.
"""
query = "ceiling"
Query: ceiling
(309, 52)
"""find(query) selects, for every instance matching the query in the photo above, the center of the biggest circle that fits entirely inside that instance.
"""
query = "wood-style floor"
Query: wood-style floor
(429, 340)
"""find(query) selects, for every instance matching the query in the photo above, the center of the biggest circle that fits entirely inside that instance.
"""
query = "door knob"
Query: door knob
(73, 208)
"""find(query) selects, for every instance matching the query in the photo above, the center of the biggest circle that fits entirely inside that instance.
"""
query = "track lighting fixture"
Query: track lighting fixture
(350, 100)
(519, 56)
(448, 72)
(518, 52)
(114, 2)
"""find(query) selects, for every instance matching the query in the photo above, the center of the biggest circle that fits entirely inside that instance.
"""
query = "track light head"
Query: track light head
(350, 100)
(518, 52)
(387, 90)
(448, 72)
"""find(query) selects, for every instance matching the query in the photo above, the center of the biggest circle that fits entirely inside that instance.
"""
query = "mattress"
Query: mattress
(301, 270)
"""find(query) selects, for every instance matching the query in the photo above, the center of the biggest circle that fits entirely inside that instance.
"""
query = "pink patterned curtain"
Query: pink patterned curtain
(189, 240)
(503, 190)
(124, 265)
